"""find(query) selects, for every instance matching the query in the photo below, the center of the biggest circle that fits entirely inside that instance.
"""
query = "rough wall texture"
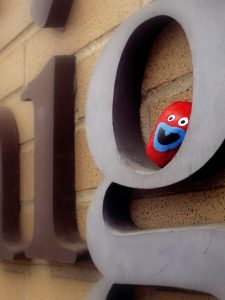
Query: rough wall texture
(24, 50)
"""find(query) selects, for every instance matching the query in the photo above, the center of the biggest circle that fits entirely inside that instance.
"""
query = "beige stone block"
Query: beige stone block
(81, 271)
(87, 175)
(82, 212)
(52, 288)
(88, 20)
(11, 71)
(27, 221)
(83, 201)
(15, 17)
(12, 286)
(27, 172)
(194, 208)
(41, 285)
(169, 89)
(169, 58)
(23, 113)
(83, 75)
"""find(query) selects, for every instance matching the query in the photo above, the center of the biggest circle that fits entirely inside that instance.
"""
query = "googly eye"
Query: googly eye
(171, 118)
(183, 121)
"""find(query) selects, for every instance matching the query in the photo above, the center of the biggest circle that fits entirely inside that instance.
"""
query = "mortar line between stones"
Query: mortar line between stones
(16, 38)
(166, 83)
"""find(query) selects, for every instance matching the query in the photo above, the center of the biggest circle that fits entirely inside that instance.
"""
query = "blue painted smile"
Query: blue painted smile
(168, 138)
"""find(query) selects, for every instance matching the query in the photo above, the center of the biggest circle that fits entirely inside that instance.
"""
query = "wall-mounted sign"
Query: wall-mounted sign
(55, 237)
(52, 93)
(189, 257)
(50, 13)
(10, 244)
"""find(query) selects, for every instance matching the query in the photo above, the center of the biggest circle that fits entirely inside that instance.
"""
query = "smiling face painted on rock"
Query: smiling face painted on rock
(169, 133)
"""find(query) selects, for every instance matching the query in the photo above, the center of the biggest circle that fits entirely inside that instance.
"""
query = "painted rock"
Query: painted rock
(169, 133)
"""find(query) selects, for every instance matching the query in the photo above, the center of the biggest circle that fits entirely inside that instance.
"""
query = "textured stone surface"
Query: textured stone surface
(26, 221)
(202, 207)
(15, 17)
(82, 211)
(169, 58)
(41, 284)
(83, 201)
(88, 20)
(167, 78)
(83, 76)
(86, 173)
(27, 172)
(11, 71)
(23, 113)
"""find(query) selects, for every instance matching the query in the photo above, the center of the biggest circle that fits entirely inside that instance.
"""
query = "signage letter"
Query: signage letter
(52, 92)
(188, 257)
(50, 13)
(10, 243)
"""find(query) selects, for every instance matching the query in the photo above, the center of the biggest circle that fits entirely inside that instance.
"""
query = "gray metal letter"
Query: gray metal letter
(188, 257)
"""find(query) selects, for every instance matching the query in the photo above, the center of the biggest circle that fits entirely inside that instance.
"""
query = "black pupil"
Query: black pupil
(182, 122)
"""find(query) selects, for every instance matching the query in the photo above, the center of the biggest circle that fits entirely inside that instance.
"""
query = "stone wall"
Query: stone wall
(24, 51)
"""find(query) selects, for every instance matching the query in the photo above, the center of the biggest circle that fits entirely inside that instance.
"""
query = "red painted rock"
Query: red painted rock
(169, 133)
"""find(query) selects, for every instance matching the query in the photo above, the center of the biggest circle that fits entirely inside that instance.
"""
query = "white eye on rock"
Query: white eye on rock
(171, 118)
(183, 121)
